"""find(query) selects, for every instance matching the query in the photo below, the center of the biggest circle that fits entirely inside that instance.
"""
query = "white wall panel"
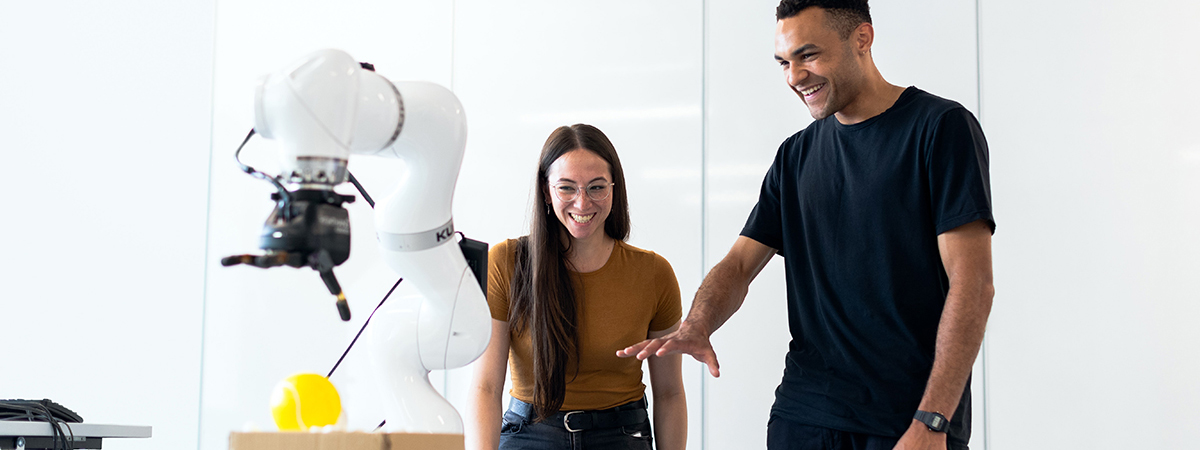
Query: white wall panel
(105, 111)
(263, 325)
(1090, 110)
(630, 68)
(930, 44)
(749, 112)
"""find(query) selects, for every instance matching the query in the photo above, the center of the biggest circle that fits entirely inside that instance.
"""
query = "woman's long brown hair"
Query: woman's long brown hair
(543, 300)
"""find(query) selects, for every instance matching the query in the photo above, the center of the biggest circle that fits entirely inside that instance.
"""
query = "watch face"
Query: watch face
(935, 421)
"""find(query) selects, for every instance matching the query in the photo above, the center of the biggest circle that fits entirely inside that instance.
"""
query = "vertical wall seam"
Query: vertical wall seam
(983, 353)
(453, 40)
(703, 199)
(212, 120)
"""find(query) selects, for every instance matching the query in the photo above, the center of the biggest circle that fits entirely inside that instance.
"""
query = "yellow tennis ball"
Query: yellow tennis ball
(305, 400)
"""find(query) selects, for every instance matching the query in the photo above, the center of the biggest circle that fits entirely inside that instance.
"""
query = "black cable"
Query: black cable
(56, 430)
(362, 191)
(371, 202)
(38, 412)
(56, 425)
(381, 424)
(366, 196)
(364, 327)
(285, 197)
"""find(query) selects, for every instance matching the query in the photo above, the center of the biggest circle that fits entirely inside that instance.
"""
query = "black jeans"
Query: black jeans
(783, 434)
(519, 433)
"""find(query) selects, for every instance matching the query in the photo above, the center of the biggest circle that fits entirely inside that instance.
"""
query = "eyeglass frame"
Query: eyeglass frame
(554, 188)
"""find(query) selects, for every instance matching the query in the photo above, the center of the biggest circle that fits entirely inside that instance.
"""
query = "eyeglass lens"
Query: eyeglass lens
(595, 191)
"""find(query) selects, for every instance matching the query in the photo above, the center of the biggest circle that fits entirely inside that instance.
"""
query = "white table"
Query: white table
(39, 435)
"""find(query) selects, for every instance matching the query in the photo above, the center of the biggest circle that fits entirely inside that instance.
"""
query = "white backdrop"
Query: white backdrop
(1090, 110)
(1087, 107)
(105, 111)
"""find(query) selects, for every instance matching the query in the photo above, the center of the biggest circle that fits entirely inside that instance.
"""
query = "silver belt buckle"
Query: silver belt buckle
(567, 421)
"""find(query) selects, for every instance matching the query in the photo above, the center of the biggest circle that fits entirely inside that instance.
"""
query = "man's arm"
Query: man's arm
(719, 296)
(967, 256)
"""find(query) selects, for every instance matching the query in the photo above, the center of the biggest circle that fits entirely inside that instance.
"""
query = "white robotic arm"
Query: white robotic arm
(324, 108)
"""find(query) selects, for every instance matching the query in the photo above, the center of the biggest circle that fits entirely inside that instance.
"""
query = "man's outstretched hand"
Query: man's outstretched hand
(686, 339)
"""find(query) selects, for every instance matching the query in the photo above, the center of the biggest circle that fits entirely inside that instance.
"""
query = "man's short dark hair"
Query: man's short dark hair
(844, 15)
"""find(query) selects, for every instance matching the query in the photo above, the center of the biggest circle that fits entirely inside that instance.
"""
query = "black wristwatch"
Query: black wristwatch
(934, 420)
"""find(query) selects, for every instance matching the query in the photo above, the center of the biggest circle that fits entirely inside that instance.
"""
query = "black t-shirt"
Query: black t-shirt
(856, 210)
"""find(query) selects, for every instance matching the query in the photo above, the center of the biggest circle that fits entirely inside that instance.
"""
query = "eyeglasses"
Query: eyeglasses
(597, 191)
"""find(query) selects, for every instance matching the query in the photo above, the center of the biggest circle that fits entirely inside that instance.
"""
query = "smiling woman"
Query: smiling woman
(564, 299)
(582, 215)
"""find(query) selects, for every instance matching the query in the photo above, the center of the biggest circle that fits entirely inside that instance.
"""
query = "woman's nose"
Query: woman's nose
(582, 201)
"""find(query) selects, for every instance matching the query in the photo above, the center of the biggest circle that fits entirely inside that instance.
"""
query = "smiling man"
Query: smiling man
(882, 211)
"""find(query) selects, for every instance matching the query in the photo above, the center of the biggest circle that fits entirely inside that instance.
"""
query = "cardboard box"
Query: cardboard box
(344, 441)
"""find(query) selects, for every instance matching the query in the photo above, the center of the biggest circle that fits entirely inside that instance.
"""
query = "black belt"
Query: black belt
(631, 413)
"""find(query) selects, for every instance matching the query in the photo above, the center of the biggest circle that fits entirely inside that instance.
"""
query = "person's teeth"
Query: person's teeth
(811, 89)
(583, 219)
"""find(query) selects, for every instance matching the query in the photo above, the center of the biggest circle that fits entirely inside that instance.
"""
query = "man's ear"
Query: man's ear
(864, 37)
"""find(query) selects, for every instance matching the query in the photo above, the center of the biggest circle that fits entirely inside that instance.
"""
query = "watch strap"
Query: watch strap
(934, 420)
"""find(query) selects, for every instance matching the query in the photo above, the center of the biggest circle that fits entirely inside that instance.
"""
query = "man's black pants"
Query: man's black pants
(783, 434)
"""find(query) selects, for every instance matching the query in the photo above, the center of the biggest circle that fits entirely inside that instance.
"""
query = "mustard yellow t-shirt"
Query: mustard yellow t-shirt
(634, 293)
